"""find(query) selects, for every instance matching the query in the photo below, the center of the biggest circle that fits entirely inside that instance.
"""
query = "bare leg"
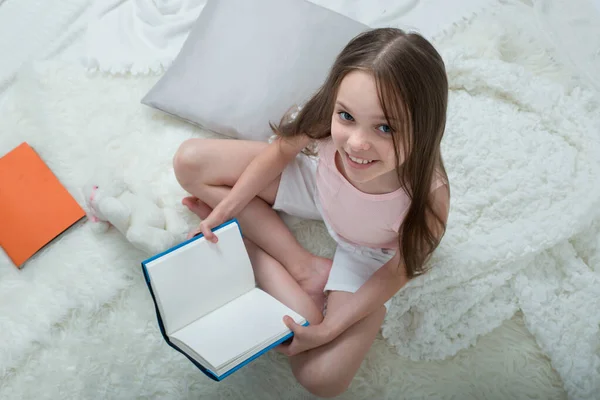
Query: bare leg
(312, 280)
(209, 168)
(327, 371)
(273, 278)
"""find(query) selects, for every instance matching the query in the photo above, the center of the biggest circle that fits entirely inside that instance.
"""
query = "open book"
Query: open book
(209, 307)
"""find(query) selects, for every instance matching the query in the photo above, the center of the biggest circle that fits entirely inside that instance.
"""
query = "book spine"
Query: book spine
(163, 332)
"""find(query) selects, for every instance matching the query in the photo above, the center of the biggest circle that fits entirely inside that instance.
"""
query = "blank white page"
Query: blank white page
(200, 276)
(232, 330)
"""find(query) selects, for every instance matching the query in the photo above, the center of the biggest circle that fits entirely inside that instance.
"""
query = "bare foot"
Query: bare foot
(313, 282)
(198, 207)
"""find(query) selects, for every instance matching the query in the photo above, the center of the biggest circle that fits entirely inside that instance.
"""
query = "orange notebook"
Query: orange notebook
(35, 207)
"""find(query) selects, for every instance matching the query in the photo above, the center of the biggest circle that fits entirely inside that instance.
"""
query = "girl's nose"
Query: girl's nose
(358, 141)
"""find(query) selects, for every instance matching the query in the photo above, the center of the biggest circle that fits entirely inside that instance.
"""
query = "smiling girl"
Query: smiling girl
(363, 155)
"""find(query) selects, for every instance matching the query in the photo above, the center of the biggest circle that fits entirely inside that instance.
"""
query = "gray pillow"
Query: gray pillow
(245, 63)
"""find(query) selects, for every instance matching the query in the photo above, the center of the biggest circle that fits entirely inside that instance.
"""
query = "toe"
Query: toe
(189, 201)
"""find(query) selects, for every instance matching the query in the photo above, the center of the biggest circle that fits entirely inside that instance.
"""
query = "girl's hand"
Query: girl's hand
(305, 337)
(215, 218)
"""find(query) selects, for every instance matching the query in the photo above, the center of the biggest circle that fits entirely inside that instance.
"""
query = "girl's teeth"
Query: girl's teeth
(359, 161)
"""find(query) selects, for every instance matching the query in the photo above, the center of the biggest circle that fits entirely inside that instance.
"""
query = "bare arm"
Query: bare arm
(373, 294)
(385, 282)
(380, 287)
(267, 166)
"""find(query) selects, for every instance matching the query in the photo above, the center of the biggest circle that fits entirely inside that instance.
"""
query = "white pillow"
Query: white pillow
(245, 63)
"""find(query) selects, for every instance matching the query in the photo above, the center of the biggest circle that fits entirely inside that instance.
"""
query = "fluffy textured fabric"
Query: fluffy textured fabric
(531, 174)
(35, 29)
(522, 155)
(138, 37)
(572, 27)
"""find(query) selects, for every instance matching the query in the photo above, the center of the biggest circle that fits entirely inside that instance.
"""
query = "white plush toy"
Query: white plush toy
(147, 226)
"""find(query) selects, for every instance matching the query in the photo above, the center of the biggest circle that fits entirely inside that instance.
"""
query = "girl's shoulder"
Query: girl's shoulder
(440, 198)
(439, 179)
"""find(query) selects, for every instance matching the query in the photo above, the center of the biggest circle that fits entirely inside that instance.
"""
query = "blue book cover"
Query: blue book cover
(203, 291)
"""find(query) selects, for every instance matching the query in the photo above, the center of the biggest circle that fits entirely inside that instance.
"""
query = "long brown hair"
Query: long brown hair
(413, 89)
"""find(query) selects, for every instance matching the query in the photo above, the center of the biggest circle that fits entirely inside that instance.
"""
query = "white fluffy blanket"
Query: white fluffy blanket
(523, 156)
(34, 29)
(141, 36)
(524, 161)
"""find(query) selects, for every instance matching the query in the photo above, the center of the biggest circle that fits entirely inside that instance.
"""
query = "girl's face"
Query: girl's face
(362, 136)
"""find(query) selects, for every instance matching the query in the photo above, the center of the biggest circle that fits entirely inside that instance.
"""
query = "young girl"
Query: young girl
(363, 155)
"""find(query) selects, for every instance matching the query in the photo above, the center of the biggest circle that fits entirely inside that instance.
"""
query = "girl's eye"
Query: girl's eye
(385, 129)
(345, 116)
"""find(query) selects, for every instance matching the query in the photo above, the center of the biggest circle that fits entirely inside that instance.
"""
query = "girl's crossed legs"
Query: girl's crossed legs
(208, 169)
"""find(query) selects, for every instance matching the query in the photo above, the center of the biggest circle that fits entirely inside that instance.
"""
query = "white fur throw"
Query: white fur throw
(523, 157)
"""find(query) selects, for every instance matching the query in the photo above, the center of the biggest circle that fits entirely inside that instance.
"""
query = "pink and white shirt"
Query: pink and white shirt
(370, 220)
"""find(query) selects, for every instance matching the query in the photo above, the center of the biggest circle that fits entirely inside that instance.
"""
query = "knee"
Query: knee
(323, 384)
(187, 162)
